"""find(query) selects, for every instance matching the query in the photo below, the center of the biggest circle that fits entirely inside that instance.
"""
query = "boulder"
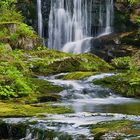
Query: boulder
(115, 45)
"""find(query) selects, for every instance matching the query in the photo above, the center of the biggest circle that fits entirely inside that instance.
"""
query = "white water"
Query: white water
(109, 16)
(40, 20)
(70, 24)
(85, 96)
(68, 27)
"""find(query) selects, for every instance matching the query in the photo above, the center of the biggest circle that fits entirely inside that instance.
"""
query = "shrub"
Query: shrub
(14, 75)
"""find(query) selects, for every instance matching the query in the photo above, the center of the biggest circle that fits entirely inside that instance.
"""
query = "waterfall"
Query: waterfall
(71, 23)
(109, 16)
(40, 21)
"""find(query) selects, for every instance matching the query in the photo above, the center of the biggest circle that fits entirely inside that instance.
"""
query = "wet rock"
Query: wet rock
(49, 98)
(115, 45)
(12, 131)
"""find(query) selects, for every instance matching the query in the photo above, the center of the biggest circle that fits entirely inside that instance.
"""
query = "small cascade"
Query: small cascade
(73, 23)
(40, 20)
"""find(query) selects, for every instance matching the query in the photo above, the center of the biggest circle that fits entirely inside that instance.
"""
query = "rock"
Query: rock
(114, 45)
(12, 131)
(20, 36)
(25, 43)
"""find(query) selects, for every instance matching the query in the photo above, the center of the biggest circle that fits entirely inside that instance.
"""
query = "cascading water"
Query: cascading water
(68, 26)
(109, 16)
(40, 20)
(71, 23)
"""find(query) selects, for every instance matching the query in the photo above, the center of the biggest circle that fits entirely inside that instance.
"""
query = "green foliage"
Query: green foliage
(24, 30)
(8, 11)
(7, 91)
(13, 72)
(121, 62)
(11, 15)
(7, 4)
(133, 1)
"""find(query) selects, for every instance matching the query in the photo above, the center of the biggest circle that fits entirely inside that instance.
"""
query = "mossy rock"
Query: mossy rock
(127, 84)
(43, 86)
(77, 75)
(19, 35)
(118, 127)
(53, 64)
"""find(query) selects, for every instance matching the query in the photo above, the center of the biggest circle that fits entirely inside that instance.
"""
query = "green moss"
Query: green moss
(127, 84)
(52, 62)
(41, 52)
(23, 110)
(121, 126)
(77, 75)
(43, 86)
(14, 75)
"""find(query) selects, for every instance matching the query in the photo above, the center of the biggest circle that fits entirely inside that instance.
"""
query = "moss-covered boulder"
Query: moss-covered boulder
(19, 35)
(115, 130)
(127, 84)
(62, 62)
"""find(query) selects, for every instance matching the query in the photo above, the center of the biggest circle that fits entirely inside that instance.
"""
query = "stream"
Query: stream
(91, 104)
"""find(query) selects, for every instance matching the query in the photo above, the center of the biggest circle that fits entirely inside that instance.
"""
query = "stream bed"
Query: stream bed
(90, 104)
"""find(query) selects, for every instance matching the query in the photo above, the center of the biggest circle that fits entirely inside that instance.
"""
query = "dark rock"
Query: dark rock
(49, 98)
(12, 131)
(114, 45)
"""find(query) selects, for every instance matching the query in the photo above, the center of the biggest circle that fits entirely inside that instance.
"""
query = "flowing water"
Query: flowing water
(40, 20)
(71, 23)
(91, 104)
(84, 96)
